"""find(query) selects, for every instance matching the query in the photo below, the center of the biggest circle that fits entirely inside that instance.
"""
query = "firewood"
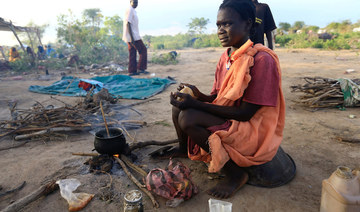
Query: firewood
(13, 190)
(85, 154)
(133, 166)
(319, 92)
(348, 140)
(42, 191)
(42, 132)
(132, 178)
(14, 146)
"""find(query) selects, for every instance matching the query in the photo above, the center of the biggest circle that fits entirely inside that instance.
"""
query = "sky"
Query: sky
(161, 17)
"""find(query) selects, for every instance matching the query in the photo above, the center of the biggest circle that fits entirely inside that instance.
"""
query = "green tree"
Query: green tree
(343, 27)
(113, 25)
(298, 25)
(284, 26)
(198, 25)
(94, 16)
(93, 42)
(312, 28)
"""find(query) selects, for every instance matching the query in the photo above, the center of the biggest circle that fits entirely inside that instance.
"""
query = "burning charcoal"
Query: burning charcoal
(102, 162)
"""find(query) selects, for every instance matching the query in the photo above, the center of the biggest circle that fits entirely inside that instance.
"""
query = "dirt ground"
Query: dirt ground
(309, 137)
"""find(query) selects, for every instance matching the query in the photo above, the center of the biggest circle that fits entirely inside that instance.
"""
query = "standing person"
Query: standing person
(132, 37)
(264, 24)
(238, 128)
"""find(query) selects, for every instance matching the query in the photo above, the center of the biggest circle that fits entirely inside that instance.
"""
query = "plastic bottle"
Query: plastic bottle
(341, 192)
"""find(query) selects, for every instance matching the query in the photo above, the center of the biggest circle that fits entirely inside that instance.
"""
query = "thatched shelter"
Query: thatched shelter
(8, 26)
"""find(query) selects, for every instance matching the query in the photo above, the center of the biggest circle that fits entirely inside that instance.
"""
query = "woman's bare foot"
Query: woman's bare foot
(235, 178)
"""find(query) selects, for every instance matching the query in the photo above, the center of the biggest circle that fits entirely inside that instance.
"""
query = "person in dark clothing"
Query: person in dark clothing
(31, 55)
(265, 24)
(41, 53)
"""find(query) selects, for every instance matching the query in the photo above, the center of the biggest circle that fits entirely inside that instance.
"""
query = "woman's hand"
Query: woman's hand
(183, 101)
(194, 89)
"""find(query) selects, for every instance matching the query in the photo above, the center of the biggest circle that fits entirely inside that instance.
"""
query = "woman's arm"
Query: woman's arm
(199, 95)
(242, 113)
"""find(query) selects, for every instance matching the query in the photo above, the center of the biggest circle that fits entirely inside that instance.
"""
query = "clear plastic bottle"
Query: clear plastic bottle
(341, 192)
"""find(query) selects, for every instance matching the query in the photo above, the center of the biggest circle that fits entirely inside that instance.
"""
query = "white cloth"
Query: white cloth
(132, 18)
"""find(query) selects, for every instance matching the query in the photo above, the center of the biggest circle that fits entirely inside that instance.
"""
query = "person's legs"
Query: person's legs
(132, 59)
(195, 123)
(141, 48)
(235, 178)
(182, 136)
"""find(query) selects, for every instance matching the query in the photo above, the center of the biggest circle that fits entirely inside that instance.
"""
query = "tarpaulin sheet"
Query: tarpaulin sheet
(120, 86)
(351, 92)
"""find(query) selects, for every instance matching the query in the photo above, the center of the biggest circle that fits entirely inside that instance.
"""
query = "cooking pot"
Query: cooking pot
(115, 144)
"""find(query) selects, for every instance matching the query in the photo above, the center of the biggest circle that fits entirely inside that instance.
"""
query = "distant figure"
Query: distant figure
(326, 36)
(73, 60)
(264, 24)
(132, 37)
(50, 52)
(31, 55)
(41, 53)
(13, 55)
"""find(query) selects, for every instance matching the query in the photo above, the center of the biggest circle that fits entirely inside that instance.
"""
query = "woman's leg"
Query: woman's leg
(192, 123)
(182, 136)
(195, 123)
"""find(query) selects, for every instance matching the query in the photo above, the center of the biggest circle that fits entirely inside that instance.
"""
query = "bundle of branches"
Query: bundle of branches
(320, 92)
(44, 121)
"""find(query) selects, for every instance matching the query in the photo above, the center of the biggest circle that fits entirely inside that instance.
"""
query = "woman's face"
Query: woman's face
(232, 30)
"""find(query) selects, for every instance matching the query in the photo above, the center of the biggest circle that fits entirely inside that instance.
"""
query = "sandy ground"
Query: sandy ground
(309, 137)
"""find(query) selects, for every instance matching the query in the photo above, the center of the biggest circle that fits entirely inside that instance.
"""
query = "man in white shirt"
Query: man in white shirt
(132, 37)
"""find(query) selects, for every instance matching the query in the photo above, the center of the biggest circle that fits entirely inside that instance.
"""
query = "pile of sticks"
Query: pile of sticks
(319, 92)
(46, 121)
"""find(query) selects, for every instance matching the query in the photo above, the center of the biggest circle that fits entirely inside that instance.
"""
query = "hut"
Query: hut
(9, 26)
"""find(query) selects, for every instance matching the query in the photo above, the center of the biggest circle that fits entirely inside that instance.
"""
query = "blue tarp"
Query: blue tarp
(120, 86)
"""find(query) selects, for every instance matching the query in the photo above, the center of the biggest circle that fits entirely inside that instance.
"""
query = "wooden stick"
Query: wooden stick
(42, 191)
(42, 132)
(133, 166)
(147, 143)
(85, 154)
(66, 104)
(68, 86)
(143, 123)
(137, 103)
(13, 190)
(3, 54)
(128, 134)
(348, 140)
(132, 178)
(103, 115)
(12, 147)
(57, 125)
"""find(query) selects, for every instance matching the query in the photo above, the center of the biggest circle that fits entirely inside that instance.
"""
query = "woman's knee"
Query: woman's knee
(188, 118)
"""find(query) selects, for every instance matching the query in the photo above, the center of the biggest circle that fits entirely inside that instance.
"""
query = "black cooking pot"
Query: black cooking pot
(115, 144)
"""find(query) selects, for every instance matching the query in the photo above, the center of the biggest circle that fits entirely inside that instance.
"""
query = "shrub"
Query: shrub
(165, 59)
(20, 65)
